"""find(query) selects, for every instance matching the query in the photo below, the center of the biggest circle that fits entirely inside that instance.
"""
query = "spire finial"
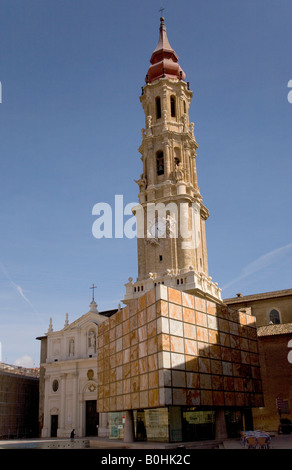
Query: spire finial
(50, 330)
(162, 25)
(164, 60)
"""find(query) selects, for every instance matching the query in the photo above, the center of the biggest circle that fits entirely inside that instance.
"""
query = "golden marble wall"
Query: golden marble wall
(172, 348)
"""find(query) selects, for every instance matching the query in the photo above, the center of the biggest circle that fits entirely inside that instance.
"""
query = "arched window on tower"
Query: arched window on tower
(172, 106)
(274, 317)
(158, 107)
(160, 163)
(177, 158)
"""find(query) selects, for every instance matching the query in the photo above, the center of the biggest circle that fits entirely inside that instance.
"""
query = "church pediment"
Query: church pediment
(84, 321)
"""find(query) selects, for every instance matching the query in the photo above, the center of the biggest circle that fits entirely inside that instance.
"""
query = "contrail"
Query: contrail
(19, 290)
(260, 263)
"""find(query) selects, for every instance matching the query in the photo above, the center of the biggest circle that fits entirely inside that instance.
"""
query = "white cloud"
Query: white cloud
(24, 361)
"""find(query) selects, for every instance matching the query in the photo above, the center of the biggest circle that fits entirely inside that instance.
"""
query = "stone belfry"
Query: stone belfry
(171, 216)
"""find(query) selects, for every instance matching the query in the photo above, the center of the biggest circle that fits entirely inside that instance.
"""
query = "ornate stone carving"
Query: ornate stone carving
(185, 123)
(142, 182)
(92, 387)
(151, 241)
(179, 173)
(92, 340)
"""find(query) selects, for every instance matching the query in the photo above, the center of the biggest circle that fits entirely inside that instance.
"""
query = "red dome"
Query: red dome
(164, 60)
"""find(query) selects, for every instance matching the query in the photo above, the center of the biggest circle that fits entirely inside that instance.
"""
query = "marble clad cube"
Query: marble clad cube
(172, 348)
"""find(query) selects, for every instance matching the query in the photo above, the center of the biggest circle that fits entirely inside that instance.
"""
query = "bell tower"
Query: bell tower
(171, 216)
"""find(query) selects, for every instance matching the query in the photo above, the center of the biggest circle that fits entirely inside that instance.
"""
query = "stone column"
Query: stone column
(129, 427)
(220, 425)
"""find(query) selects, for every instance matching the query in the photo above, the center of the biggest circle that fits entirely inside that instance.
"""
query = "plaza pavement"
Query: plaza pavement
(282, 441)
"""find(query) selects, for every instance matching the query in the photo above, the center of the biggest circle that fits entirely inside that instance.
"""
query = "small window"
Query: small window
(172, 106)
(274, 316)
(185, 108)
(160, 257)
(160, 163)
(158, 108)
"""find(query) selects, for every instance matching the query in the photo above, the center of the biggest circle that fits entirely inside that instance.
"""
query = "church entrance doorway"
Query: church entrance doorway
(54, 425)
(92, 418)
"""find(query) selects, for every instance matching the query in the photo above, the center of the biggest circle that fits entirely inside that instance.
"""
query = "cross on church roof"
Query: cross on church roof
(93, 287)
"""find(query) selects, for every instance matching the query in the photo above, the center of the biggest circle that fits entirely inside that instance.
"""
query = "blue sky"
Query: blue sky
(70, 119)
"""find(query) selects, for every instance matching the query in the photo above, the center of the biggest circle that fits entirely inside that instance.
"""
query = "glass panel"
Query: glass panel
(156, 421)
(234, 422)
(140, 425)
(116, 427)
(198, 425)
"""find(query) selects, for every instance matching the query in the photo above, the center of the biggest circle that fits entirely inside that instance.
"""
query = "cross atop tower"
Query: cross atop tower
(93, 287)
(161, 11)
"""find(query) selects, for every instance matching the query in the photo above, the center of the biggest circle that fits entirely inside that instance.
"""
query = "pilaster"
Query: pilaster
(61, 428)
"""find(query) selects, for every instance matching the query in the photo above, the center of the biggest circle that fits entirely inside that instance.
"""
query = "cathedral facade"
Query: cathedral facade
(68, 378)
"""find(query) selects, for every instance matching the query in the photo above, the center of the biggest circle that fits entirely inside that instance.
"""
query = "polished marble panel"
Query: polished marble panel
(173, 348)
